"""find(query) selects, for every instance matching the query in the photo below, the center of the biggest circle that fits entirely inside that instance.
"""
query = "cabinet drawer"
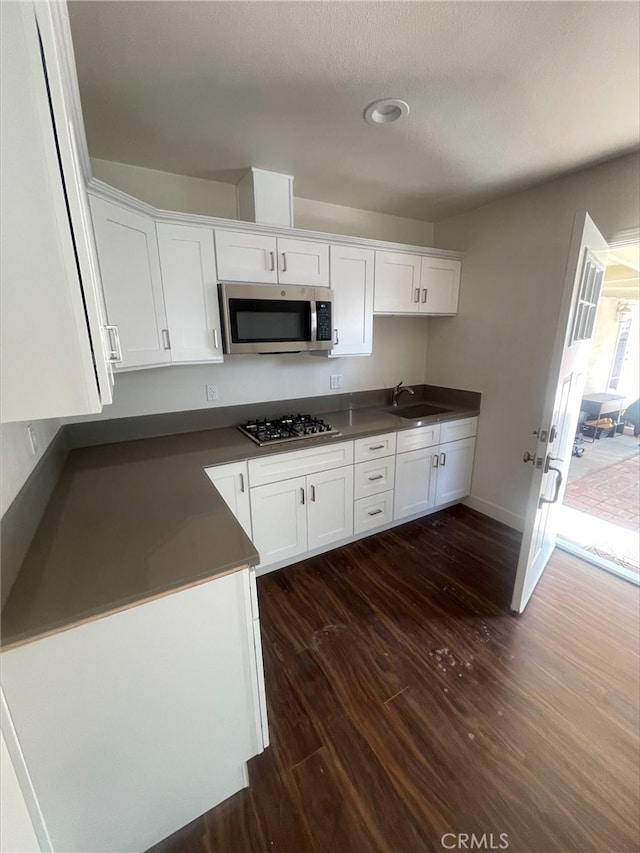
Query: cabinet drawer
(374, 447)
(374, 477)
(373, 512)
(416, 439)
(455, 430)
(284, 466)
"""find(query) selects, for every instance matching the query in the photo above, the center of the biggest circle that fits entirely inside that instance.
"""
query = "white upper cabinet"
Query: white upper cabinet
(53, 361)
(130, 269)
(303, 262)
(352, 271)
(397, 283)
(188, 266)
(411, 284)
(439, 285)
(242, 256)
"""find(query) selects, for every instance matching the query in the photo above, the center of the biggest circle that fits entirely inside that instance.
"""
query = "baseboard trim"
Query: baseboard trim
(498, 513)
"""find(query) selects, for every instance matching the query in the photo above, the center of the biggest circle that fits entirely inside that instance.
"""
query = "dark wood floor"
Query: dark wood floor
(406, 702)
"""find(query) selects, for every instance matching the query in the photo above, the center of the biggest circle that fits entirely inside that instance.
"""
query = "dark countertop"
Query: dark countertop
(130, 521)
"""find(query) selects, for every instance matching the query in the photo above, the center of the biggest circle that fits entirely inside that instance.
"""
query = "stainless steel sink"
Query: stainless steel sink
(417, 411)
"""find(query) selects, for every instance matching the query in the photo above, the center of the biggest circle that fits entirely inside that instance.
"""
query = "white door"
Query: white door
(303, 262)
(130, 270)
(246, 257)
(279, 514)
(330, 506)
(397, 283)
(415, 482)
(455, 464)
(232, 482)
(556, 428)
(352, 285)
(439, 286)
(188, 265)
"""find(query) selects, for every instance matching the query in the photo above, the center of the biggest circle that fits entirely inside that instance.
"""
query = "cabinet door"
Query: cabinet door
(303, 262)
(397, 283)
(48, 367)
(130, 270)
(352, 285)
(439, 286)
(330, 506)
(279, 514)
(454, 470)
(188, 265)
(233, 484)
(415, 482)
(242, 256)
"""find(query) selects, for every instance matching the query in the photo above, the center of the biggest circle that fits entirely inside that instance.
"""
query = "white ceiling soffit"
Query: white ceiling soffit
(502, 94)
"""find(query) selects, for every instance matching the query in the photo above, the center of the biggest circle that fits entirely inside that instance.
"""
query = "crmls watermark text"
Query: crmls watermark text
(471, 841)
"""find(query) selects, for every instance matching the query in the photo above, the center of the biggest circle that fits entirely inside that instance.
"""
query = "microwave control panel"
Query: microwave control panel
(323, 310)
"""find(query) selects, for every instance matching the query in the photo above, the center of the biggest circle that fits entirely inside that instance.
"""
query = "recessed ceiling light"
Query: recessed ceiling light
(386, 110)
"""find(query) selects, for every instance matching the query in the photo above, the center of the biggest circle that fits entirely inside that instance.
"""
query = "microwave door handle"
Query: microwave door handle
(314, 321)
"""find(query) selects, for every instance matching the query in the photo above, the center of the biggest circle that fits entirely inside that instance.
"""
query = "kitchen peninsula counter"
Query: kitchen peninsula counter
(131, 521)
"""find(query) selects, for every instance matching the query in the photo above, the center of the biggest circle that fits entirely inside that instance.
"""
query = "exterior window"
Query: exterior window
(587, 304)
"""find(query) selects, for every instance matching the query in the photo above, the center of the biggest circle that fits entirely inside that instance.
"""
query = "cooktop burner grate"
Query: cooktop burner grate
(286, 428)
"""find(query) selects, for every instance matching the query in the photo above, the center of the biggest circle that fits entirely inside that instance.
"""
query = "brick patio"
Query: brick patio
(611, 493)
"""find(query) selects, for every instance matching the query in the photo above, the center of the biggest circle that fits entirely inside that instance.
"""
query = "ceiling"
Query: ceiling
(502, 94)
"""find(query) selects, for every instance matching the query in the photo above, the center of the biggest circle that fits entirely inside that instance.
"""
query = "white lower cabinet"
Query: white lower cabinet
(232, 481)
(294, 516)
(415, 489)
(330, 507)
(455, 465)
(374, 477)
(132, 725)
(280, 520)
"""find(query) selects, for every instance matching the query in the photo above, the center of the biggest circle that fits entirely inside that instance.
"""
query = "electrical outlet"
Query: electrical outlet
(212, 393)
(33, 440)
(335, 381)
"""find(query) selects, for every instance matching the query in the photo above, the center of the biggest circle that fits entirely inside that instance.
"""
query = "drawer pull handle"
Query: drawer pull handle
(375, 512)
(377, 477)
(376, 447)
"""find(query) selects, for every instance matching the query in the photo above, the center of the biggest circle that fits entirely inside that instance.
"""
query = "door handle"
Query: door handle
(115, 350)
(284, 261)
(242, 482)
(436, 460)
(529, 457)
(443, 459)
(336, 339)
(302, 496)
(313, 493)
(416, 295)
(548, 467)
(215, 338)
(272, 261)
(424, 295)
(166, 342)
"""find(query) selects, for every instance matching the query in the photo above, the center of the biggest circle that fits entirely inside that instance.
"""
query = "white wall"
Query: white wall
(213, 198)
(500, 342)
(17, 458)
(399, 353)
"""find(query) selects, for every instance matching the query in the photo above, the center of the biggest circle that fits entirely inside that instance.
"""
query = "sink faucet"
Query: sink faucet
(399, 389)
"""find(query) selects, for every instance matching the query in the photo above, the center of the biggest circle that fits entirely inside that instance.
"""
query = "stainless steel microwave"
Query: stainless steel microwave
(273, 318)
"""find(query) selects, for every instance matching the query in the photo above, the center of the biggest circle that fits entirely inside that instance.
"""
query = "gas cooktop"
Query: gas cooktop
(286, 428)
